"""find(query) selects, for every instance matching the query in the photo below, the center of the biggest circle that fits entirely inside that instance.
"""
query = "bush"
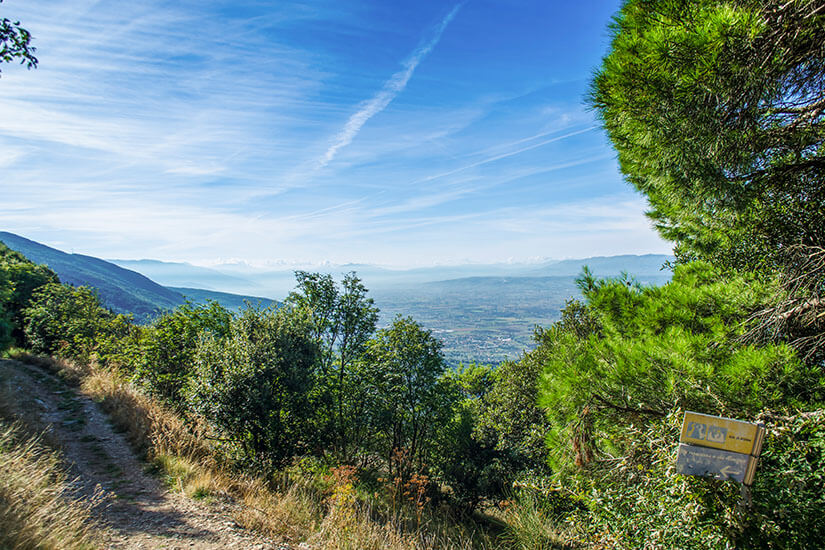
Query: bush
(6, 323)
(19, 278)
(788, 500)
(70, 322)
(253, 386)
(167, 348)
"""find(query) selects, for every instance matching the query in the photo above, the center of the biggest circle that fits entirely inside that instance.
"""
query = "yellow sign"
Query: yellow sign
(722, 433)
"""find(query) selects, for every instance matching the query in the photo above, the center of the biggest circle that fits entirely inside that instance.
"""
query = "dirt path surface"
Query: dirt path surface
(134, 509)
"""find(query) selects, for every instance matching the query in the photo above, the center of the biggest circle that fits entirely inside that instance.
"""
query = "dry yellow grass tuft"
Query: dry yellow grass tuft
(36, 510)
(71, 372)
(290, 515)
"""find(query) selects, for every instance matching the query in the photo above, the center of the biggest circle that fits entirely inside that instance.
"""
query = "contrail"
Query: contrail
(392, 87)
(509, 154)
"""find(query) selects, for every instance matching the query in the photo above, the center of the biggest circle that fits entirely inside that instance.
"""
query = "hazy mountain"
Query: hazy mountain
(120, 289)
(604, 266)
(179, 274)
(277, 282)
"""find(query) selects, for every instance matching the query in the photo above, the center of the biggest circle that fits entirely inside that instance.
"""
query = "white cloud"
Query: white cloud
(392, 87)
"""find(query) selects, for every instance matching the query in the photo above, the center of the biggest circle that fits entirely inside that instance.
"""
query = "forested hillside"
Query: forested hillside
(121, 290)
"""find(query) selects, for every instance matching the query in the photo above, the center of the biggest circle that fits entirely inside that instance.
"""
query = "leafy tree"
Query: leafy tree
(511, 420)
(717, 111)
(409, 398)
(342, 320)
(22, 277)
(253, 386)
(471, 467)
(15, 43)
(167, 348)
(71, 322)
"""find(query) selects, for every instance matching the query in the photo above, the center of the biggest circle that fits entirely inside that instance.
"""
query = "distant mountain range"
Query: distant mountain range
(120, 289)
(483, 313)
(244, 279)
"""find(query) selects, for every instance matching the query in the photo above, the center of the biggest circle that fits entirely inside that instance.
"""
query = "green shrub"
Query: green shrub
(71, 322)
(253, 386)
(166, 349)
(19, 278)
(788, 496)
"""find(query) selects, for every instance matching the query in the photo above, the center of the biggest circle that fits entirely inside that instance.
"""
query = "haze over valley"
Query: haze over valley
(482, 313)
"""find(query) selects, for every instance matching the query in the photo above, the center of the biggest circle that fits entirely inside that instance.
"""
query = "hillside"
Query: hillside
(120, 289)
(227, 300)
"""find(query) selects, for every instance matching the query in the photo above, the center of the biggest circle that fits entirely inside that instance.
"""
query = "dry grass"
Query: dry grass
(36, 509)
(290, 515)
(532, 527)
(297, 512)
(177, 449)
(71, 372)
(148, 425)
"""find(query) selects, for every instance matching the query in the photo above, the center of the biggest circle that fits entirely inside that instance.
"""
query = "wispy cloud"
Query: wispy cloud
(183, 130)
(392, 87)
(508, 154)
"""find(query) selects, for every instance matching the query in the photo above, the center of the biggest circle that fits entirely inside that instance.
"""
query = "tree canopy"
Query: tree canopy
(716, 110)
(15, 43)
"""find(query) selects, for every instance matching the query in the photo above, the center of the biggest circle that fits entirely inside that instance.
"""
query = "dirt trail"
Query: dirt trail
(136, 510)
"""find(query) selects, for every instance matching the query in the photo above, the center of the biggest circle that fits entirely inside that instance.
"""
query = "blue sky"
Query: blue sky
(402, 133)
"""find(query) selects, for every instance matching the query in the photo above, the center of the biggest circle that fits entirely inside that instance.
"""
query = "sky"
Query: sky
(398, 133)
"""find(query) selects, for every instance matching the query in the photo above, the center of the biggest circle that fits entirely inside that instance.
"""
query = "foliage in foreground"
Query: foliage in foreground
(36, 509)
(15, 43)
(616, 397)
(716, 111)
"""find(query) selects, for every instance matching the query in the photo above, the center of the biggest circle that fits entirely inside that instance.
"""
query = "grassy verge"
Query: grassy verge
(36, 510)
(302, 507)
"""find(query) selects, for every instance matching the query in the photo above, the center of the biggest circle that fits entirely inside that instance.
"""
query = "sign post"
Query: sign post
(722, 448)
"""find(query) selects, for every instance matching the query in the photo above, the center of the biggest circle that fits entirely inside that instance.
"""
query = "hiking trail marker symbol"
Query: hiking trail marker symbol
(722, 448)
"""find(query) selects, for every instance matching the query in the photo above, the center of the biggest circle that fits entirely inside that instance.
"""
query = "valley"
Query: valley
(482, 313)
